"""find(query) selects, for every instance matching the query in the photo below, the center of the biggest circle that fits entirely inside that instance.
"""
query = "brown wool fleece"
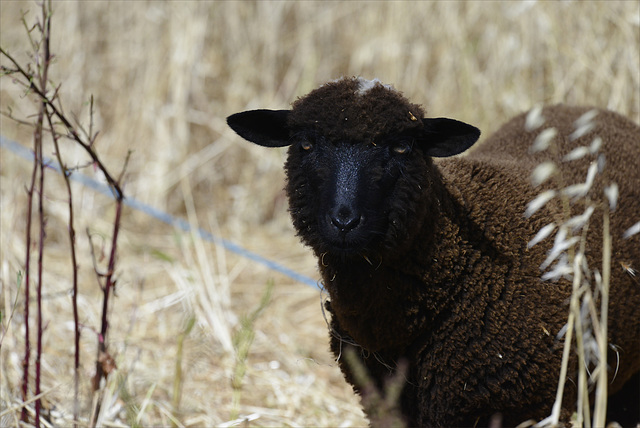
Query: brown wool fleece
(505, 319)
(449, 285)
(464, 303)
(364, 116)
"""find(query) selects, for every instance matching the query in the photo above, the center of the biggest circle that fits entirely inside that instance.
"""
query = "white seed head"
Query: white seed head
(595, 145)
(542, 172)
(575, 154)
(601, 162)
(584, 124)
(586, 118)
(633, 230)
(580, 190)
(539, 202)
(542, 234)
(543, 140)
(583, 130)
(560, 245)
(560, 335)
(579, 221)
(534, 119)
(575, 191)
(612, 192)
(562, 269)
(591, 174)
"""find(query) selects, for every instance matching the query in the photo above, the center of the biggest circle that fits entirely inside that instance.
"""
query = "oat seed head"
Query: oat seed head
(534, 119)
(586, 119)
(543, 172)
(539, 202)
(591, 174)
(561, 244)
(562, 269)
(633, 230)
(543, 140)
(542, 234)
(577, 153)
(602, 161)
(595, 145)
(583, 130)
(576, 223)
(612, 193)
(580, 190)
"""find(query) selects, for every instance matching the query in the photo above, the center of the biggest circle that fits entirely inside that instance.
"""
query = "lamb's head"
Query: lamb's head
(359, 163)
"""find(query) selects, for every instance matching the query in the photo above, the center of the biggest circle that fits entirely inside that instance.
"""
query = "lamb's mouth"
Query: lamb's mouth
(345, 247)
(350, 243)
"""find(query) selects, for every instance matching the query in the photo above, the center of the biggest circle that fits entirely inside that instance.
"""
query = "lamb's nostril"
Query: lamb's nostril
(345, 221)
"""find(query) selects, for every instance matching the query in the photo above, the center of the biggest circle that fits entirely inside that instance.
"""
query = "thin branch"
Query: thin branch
(41, 220)
(72, 133)
(110, 284)
(27, 345)
(43, 75)
(27, 348)
(92, 136)
(74, 266)
(99, 275)
(34, 78)
(21, 122)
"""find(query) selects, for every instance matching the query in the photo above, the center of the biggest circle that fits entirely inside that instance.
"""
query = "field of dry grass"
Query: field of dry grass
(164, 76)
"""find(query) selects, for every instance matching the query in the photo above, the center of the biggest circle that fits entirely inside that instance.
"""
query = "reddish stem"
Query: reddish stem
(40, 263)
(27, 264)
(37, 84)
(46, 33)
(109, 284)
(74, 267)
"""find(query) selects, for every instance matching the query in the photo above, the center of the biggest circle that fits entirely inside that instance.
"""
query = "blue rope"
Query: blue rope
(180, 223)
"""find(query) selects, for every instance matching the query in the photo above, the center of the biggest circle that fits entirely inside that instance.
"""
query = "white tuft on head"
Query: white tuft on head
(366, 85)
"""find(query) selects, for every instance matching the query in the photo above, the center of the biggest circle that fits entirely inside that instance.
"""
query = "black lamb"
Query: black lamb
(428, 261)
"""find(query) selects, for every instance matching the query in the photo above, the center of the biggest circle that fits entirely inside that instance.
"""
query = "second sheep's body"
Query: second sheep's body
(428, 262)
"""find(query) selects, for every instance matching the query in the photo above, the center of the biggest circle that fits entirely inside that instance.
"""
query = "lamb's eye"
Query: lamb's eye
(306, 145)
(401, 148)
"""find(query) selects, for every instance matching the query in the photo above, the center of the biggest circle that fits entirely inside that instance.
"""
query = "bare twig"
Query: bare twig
(74, 266)
(72, 133)
(41, 220)
(43, 73)
(27, 345)
(35, 81)
(109, 284)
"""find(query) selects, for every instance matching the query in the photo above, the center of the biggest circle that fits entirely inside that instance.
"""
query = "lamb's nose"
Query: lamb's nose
(345, 219)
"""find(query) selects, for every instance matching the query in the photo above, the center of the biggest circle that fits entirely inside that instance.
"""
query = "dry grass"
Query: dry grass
(164, 77)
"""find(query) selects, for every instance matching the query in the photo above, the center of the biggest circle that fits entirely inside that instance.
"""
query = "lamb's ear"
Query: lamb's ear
(264, 127)
(442, 137)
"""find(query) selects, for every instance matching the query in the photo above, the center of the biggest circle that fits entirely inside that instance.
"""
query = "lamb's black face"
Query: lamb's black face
(340, 192)
(359, 163)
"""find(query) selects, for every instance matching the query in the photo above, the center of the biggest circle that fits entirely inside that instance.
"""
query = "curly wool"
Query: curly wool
(341, 110)
(462, 299)
(426, 262)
